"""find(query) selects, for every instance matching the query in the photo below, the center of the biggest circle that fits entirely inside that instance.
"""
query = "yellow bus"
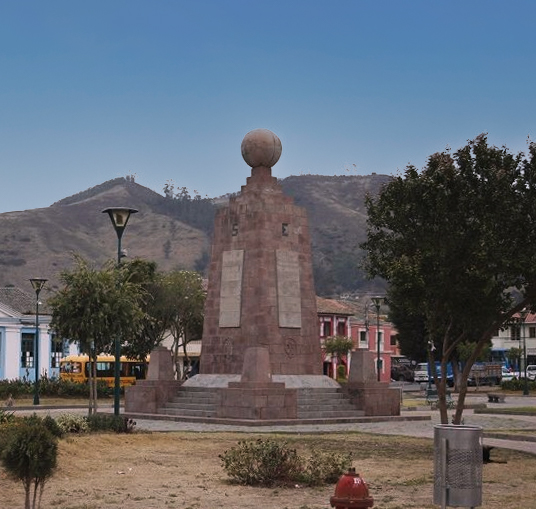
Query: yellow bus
(76, 369)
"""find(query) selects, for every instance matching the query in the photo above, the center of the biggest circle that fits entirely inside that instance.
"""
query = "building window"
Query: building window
(56, 351)
(363, 339)
(327, 329)
(380, 339)
(380, 365)
(393, 340)
(515, 332)
(27, 350)
(532, 332)
(341, 328)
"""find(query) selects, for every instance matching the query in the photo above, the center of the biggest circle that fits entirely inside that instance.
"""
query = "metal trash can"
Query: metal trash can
(457, 465)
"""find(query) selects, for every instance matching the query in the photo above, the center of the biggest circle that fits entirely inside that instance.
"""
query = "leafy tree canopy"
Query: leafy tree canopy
(456, 244)
(338, 345)
(96, 305)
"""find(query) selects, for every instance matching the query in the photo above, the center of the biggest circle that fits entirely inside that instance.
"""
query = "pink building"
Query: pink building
(337, 318)
(364, 333)
(334, 320)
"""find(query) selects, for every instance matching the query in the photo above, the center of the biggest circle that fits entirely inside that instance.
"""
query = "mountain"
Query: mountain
(175, 230)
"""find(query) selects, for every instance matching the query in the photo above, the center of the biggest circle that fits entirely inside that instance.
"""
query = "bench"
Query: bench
(494, 397)
(432, 399)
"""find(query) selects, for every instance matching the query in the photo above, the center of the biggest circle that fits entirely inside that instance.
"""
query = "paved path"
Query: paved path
(425, 428)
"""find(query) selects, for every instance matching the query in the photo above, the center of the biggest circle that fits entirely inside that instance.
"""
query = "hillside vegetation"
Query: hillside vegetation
(175, 230)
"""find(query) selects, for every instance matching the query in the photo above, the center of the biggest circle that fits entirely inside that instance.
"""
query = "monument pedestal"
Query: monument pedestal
(263, 401)
(365, 392)
(256, 396)
(147, 396)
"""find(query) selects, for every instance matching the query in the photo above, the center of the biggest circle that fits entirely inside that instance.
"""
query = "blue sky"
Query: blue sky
(166, 90)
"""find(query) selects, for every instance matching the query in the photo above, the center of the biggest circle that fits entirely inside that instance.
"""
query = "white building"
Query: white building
(17, 338)
(516, 335)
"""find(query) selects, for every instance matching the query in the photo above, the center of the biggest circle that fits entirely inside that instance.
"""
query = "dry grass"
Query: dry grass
(182, 470)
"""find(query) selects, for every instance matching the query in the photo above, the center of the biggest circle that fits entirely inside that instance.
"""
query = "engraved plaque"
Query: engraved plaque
(288, 289)
(231, 288)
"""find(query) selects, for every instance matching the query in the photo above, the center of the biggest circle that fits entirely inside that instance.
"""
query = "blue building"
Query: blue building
(17, 338)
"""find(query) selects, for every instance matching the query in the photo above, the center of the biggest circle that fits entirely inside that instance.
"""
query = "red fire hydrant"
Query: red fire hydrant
(351, 492)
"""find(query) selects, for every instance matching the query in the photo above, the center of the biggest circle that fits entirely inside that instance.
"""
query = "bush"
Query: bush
(325, 467)
(517, 385)
(30, 455)
(262, 462)
(15, 388)
(116, 423)
(51, 387)
(341, 373)
(6, 416)
(268, 463)
(48, 422)
(72, 423)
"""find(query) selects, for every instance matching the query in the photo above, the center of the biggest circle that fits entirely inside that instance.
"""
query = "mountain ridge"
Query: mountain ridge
(176, 231)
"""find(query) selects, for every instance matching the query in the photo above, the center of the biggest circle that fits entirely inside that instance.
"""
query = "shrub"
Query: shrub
(72, 423)
(325, 467)
(30, 455)
(15, 388)
(51, 387)
(517, 385)
(262, 462)
(341, 373)
(267, 463)
(6, 416)
(117, 423)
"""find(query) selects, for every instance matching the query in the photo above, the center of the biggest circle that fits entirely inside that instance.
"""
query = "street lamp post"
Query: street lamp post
(377, 303)
(37, 284)
(119, 217)
(522, 317)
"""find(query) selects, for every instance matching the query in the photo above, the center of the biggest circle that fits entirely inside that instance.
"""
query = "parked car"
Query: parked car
(507, 375)
(422, 373)
(531, 371)
(401, 369)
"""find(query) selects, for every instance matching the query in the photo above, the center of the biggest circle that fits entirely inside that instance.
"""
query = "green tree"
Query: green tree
(188, 294)
(456, 242)
(158, 307)
(30, 456)
(514, 357)
(93, 308)
(338, 346)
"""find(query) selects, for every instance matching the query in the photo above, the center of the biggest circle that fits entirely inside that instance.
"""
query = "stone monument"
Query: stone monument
(261, 290)
(260, 355)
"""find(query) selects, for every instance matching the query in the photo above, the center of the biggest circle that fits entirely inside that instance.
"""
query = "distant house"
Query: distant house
(520, 335)
(364, 331)
(334, 320)
(344, 318)
(17, 338)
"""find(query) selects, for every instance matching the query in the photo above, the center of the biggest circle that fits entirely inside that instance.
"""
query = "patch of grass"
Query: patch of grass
(521, 410)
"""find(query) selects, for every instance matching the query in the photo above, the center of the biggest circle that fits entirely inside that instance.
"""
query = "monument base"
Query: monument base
(259, 401)
(373, 398)
(147, 396)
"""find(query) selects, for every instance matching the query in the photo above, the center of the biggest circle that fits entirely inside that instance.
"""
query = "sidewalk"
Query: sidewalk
(425, 429)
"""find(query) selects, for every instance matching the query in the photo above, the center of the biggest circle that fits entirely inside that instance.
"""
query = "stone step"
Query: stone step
(318, 403)
(186, 412)
(311, 408)
(330, 414)
(194, 405)
(324, 397)
(189, 398)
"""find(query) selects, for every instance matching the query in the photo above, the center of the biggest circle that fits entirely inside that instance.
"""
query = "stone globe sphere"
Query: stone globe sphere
(261, 147)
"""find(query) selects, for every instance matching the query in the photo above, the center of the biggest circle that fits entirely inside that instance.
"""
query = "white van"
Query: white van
(421, 372)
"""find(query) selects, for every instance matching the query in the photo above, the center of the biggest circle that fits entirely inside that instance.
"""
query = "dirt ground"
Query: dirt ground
(182, 470)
